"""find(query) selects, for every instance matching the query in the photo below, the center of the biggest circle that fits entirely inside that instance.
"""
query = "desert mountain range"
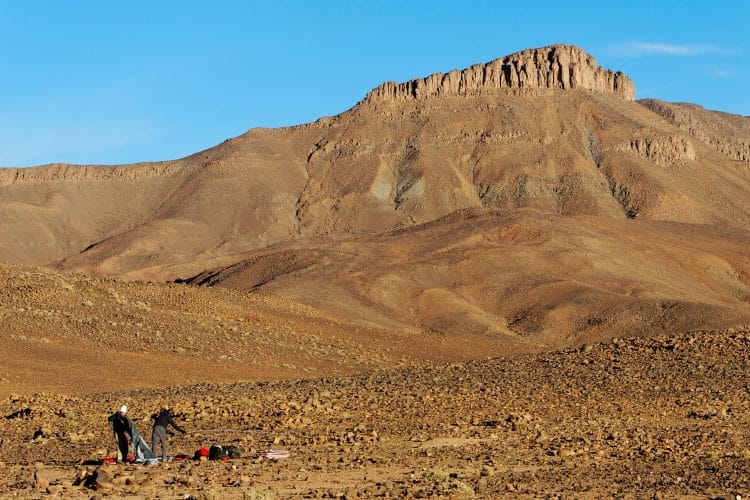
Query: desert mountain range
(527, 210)
(529, 199)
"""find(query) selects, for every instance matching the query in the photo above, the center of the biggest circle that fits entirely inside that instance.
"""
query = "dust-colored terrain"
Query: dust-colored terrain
(663, 417)
(507, 280)
(78, 334)
(522, 277)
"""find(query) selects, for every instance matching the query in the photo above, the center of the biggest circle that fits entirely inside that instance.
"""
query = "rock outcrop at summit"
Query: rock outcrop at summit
(555, 67)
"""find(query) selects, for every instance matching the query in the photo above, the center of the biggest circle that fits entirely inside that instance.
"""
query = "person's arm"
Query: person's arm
(174, 424)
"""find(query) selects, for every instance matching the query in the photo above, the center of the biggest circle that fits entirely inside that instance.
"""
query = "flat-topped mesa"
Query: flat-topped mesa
(554, 67)
(65, 172)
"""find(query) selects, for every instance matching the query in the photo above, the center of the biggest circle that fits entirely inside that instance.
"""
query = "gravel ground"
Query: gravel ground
(662, 417)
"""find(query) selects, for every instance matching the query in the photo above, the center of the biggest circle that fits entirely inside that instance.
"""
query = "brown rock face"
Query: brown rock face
(555, 67)
(63, 172)
(663, 151)
(725, 133)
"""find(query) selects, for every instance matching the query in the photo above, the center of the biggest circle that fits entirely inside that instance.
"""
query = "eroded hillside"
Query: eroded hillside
(78, 334)
(545, 128)
(522, 204)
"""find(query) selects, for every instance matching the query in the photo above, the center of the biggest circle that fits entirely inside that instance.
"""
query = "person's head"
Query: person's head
(124, 410)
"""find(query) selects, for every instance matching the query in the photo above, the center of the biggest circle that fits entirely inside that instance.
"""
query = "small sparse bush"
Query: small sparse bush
(486, 471)
(712, 456)
(209, 494)
(255, 494)
(461, 488)
(447, 483)
(435, 476)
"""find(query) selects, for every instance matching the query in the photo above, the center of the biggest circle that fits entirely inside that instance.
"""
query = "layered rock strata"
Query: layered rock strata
(555, 67)
(661, 150)
(64, 172)
(723, 132)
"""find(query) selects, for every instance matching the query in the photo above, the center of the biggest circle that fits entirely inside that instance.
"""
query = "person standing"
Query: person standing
(121, 426)
(159, 435)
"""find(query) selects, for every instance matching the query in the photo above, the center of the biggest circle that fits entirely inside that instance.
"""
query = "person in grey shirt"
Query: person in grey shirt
(161, 421)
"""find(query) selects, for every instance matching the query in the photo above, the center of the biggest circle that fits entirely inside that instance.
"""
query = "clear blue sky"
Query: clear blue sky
(123, 81)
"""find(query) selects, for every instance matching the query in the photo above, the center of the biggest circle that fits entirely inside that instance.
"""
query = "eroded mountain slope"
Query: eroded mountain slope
(77, 334)
(545, 128)
(639, 209)
(521, 275)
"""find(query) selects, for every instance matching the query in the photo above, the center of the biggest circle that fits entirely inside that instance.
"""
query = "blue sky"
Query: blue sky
(106, 82)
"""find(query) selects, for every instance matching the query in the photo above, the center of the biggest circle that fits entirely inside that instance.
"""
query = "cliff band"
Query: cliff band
(554, 67)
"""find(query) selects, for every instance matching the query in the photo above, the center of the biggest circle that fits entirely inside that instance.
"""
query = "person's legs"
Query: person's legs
(154, 439)
(122, 446)
(160, 435)
(163, 443)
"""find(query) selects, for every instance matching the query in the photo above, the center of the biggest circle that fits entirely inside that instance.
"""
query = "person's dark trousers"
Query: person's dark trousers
(160, 434)
(122, 446)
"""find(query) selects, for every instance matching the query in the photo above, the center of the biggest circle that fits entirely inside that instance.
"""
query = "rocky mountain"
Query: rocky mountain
(528, 198)
(556, 67)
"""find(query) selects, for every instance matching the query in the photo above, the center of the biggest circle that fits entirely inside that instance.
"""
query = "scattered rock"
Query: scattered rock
(102, 479)
(40, 481)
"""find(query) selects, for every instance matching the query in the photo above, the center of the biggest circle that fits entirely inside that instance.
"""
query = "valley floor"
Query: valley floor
(660, 417)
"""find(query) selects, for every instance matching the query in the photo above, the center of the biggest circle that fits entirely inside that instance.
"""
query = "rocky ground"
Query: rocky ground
(663, 417)
(78, 334)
